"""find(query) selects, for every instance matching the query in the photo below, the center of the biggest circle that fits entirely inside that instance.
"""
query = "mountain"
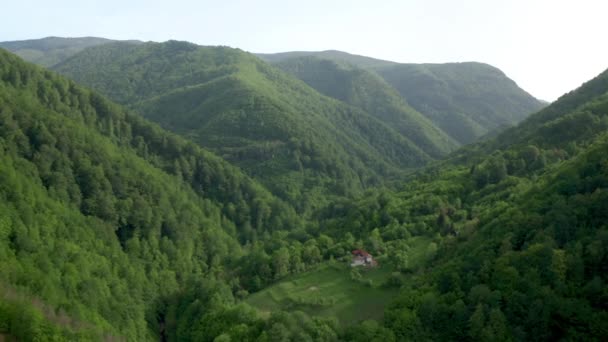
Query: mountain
(356, 60)
(366, 90)
(52, 50)
(112, 228)
(572, 122)
(465, 100)
(576, 118)
(519, 227)
(284, 133)
(104, 216)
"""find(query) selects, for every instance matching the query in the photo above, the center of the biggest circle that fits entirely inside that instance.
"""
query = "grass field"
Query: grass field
(329, 291)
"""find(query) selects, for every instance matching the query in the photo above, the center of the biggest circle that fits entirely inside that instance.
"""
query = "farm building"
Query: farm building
(362, 258)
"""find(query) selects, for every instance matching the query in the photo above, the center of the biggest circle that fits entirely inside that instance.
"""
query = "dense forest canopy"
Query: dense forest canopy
(238, 223)
(368, 91)
(464, 100)
(302, 145)
(50, 51)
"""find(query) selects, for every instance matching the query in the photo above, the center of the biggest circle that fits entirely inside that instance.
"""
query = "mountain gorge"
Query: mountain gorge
(176, 192)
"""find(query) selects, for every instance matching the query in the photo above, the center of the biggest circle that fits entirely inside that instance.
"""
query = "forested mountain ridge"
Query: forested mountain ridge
(274, 126)
(338, 56)
(113, 228)
(465, 100)
(83, 181)
(519, 227)
(366, 90)
(52, 50)
(573, 121)
(575, 118)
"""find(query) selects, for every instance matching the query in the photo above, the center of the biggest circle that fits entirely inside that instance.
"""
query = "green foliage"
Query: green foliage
(464, 100)
(51, 50)
(111, 227)
(369, 331)
(303, 146)
(103, 213)
(568, 124)
(369, 92)
(518, 229)
(330, 291)
(26, 319)
(359, 61)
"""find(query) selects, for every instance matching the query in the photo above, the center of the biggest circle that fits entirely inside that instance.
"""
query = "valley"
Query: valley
(178, 192)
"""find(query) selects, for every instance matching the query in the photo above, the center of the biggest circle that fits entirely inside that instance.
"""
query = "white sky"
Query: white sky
(547, 47)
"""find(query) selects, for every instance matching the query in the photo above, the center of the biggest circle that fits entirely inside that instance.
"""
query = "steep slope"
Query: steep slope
(575, 117)
(293, 139)
(112, 228)
(568, 124)
(51, 50)
(516, 244)
(465, 100)
(518, 227)
(103, 215)
(369, 92)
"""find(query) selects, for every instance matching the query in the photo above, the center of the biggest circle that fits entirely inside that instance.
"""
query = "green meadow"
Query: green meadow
(330, 291)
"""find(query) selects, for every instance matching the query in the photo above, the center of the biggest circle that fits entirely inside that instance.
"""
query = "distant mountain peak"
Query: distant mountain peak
(50, 51)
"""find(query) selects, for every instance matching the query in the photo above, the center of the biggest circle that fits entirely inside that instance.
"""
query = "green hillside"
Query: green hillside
(51, 50)
(576, 118)
(330, 292)
(369, 92)
(280, 131)
(113, 228)
(335, 290)
(104, 216)
(465, 100)
(519, 229)
(357, 60)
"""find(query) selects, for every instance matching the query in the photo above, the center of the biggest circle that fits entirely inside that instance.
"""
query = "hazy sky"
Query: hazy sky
(547, 46)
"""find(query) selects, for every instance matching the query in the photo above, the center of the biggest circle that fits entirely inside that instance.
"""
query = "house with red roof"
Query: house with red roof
(362, 258)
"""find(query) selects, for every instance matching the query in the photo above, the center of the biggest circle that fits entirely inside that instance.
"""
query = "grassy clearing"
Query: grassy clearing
(329, 291)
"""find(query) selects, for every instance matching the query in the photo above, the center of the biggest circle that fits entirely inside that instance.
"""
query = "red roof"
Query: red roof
(360, 252)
